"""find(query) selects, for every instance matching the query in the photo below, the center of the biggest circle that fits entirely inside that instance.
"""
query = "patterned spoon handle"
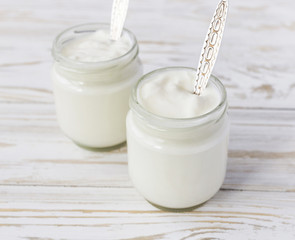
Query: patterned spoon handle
(119, 12)
(211, 47)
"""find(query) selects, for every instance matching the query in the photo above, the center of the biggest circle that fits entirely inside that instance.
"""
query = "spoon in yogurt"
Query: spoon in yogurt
(119, 12)
(211, 47)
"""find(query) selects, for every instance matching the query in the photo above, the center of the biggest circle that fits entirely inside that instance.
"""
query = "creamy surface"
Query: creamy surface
(170, 94)
(97, 47)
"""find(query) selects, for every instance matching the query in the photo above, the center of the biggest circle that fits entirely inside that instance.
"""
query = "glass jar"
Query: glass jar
(177, 163)
(91, 98)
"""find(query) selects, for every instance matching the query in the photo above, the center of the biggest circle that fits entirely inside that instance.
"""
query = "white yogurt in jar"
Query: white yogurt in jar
(177, 141)
(170, 95)
(92, 79)
(96, 47)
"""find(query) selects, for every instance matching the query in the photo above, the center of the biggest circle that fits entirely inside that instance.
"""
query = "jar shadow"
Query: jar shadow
(106, 149)
(177, 210)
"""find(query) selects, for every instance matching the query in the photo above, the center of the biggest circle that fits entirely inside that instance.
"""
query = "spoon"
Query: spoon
(211, 47)
(119, 12)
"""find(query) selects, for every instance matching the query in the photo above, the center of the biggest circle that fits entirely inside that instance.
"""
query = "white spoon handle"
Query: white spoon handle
(211, 47)
(119, 12)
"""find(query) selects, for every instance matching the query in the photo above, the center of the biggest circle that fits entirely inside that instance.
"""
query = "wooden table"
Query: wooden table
(52, 189)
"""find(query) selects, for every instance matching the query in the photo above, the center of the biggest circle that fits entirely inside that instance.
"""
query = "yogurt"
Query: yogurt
(170, 95)
(92, 80)
(177, 141)
(96, 47)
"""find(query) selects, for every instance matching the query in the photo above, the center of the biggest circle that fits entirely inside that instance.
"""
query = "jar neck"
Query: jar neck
(213, 125)
(104, 73)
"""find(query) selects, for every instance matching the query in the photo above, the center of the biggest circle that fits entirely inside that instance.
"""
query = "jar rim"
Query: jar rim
(89, 27)
(166, 122)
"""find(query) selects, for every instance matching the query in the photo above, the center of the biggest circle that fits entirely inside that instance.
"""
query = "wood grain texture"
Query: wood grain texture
(120, 213)
(52, 189)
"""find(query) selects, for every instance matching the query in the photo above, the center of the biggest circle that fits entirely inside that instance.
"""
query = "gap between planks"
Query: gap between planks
(223, 189)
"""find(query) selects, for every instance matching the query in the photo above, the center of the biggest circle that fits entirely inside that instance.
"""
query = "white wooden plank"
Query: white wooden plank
(120, 213)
